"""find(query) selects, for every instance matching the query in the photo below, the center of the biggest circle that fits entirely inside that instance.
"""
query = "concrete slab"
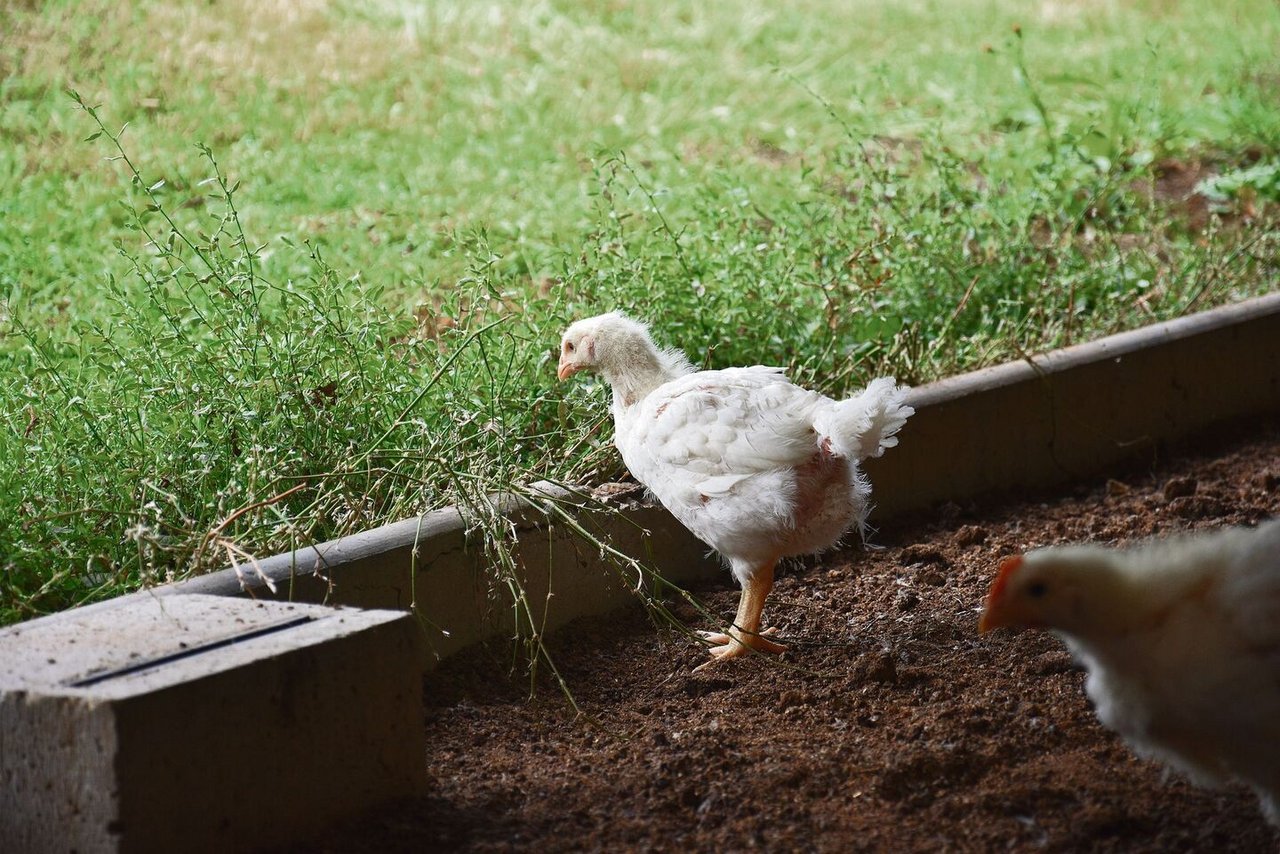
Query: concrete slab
(203, 723)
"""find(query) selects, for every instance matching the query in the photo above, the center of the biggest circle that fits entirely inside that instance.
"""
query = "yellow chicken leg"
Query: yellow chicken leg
(745, 635)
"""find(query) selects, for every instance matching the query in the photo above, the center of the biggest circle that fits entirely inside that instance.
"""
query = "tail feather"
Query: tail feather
(864, 426)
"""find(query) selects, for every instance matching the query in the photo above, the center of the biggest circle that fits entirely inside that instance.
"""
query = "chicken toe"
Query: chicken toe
(737, 644)
(720, 638)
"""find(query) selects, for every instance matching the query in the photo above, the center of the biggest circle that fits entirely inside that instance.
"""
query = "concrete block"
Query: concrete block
(201, 723)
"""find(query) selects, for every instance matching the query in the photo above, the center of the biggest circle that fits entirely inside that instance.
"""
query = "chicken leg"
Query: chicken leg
(745, 634)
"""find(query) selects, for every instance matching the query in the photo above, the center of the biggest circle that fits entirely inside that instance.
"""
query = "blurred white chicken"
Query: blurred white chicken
(1181, 639)
(756, 467)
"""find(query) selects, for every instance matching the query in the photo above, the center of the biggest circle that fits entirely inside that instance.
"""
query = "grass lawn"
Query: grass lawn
(317, 281)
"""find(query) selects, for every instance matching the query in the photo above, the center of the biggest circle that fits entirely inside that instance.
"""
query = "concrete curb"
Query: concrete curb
(431, 566)
(1081, 410)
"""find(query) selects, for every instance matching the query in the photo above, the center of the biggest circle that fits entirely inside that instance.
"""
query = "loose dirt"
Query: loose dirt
(889, 725)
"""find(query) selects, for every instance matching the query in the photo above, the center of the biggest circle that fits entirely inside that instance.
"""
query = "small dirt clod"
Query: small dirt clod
(1179, 487)
(971, 535)
(1196, 507)
(1117, 488)
(921, 555)
(875, 667)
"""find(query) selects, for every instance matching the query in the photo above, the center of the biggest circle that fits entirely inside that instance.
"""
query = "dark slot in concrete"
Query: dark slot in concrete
(197, 649)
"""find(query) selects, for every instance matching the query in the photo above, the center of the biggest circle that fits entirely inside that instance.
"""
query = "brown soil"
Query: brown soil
(1174, 187)
(889, 725)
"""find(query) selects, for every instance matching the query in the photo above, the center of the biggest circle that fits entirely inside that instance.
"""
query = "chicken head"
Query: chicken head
(1072, 589)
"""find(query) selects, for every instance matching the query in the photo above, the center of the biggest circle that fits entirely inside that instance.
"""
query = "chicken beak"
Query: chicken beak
(566, 370)
(995, 613)
(989, 620)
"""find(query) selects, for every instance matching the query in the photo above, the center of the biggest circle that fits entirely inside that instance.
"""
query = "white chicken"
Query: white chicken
(1181, 639)
(754, 466)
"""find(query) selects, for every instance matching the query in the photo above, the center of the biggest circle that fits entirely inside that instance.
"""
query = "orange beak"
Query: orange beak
(566, 370)
(994, 614)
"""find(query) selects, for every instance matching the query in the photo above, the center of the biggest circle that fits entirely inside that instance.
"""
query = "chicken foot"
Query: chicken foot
(745, 635)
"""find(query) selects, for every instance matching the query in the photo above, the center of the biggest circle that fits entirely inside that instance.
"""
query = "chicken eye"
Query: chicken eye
(568, 346)
(1037, 589)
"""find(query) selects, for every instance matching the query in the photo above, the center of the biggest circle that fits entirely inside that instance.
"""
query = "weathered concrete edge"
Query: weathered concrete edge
(1075, 412)
(427, 564)
(1022, 424)
(1114, 346)
(418, 531)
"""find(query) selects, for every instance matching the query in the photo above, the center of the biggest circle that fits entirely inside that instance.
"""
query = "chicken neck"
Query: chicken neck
(631, 363)
(636, 376)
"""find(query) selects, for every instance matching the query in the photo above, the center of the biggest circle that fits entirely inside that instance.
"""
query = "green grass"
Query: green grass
(350, 317)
